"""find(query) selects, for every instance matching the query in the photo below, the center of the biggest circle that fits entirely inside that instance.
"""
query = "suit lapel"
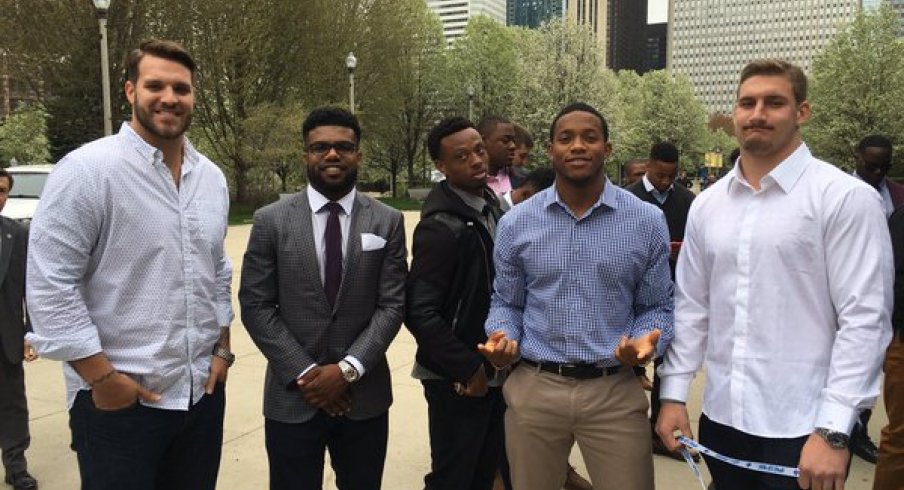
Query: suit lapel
(6, 249)
(301, 227)
(361, 217)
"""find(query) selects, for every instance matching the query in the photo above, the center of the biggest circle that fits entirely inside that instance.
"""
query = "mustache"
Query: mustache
(758, 126)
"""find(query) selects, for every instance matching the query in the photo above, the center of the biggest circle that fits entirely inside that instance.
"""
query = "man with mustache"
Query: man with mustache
(447, 302)
(322, 296)
(790, 328)
(129, 284)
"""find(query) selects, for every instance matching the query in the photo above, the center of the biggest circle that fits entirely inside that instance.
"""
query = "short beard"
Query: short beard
(337, 189)
(146, 119)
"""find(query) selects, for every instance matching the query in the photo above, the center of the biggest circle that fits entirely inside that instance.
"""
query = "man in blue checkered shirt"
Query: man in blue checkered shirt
(582, 295)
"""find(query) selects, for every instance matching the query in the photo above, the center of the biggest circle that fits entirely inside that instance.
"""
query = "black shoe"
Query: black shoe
(865, 448)
(21, 481)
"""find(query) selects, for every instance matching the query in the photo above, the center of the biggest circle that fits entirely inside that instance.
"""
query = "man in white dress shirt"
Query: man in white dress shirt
(790, 328)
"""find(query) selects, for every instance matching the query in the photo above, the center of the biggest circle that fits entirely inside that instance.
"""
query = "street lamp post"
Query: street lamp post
(471, 92)
(351, 62)
(103, 6)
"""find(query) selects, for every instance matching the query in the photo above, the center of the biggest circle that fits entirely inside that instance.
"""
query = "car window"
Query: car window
(28, 185)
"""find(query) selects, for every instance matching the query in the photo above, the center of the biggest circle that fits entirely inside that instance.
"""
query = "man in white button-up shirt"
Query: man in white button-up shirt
(791, 329)
(129, 284)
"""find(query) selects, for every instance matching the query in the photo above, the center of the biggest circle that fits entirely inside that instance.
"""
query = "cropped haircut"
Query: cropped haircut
(664, 152)
(488, 124)
(446, 127)
(582, 107)
(4, 173)
(523, 137)
(540, 178)
(874, 141)
(330, 116)
(161, 48)
(775, 67)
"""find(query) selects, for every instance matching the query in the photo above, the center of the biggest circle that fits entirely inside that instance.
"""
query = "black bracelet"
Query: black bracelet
(102, 378)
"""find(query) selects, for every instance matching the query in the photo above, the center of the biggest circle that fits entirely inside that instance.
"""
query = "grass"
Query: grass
(241, 214)
(402, 203)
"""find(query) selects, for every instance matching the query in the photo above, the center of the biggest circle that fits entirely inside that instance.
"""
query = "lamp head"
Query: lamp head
(350, 61)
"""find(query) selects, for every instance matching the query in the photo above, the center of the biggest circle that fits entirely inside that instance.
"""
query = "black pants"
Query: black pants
(142, 448)
(14, 437)
(466, 437)
(734, 443)
(357, 452)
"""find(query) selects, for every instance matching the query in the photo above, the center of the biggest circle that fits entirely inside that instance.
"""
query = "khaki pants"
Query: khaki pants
(890, 470)
(606, 416)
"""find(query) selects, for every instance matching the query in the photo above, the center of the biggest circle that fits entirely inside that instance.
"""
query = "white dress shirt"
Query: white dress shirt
(786, 294)
(121, 261)
(319, 216)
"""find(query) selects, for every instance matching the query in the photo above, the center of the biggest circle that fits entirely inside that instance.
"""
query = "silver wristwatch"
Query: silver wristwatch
(835, 439)
(348, 371)
(224, 354)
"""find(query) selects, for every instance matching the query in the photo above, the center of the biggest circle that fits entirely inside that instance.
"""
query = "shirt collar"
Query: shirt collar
(879, 187)
(317, 200)
(607, 198)
(653, 190)
(474, 202)
(785, 174)
(150, 153)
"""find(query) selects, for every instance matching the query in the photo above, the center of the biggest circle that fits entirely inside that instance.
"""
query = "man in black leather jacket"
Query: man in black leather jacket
(448, 298)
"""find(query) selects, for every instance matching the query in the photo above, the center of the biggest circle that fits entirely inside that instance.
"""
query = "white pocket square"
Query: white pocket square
(369, 241)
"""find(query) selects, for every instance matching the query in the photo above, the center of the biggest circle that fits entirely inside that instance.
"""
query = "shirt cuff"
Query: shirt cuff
(64, 349)
(836, 417)
(224, 314)
(675, 387)
(356, 363)
(305, 371)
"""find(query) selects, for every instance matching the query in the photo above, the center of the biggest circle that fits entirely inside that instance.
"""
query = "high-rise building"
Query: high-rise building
(710, 42)
(533, 13)
(455, 14)
(626, 40)
(594, 13)
(657, 46)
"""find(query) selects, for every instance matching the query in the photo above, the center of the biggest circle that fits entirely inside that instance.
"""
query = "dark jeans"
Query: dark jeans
(143, 448)
(357, 452)
(466, 437)
(734, 443)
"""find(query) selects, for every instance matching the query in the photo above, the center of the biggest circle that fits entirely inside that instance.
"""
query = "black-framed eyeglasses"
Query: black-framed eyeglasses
(342, 147)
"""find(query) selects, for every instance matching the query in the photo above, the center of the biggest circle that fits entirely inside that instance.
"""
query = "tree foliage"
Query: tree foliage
(857, 88)
(23, 136)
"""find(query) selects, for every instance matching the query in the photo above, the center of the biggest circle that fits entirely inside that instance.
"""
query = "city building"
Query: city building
(657, 46)
(626, 36)
(533, 13)
(897, 4)
(594, 13)
(710, 42)
(454, 14)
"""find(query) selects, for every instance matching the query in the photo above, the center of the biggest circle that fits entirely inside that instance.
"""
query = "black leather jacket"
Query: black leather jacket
(450, 283)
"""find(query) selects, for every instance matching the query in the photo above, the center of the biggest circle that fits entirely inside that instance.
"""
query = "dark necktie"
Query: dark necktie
(332, 240)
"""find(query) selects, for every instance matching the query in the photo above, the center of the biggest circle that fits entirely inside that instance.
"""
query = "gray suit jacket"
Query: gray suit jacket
(285, 310)
(12, 288)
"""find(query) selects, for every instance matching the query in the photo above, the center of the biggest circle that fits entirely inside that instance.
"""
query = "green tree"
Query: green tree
(857, 88)
(660, 107)
(23, 136)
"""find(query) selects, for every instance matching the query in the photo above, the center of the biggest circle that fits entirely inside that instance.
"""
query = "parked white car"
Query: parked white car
(28, 183)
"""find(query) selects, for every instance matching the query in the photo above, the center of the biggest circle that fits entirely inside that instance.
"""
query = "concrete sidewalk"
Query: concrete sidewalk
(244, 464)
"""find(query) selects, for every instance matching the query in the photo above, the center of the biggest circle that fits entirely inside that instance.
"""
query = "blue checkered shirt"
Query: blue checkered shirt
(568, 288)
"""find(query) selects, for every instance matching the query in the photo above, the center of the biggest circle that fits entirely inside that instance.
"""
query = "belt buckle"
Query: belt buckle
(563, 366)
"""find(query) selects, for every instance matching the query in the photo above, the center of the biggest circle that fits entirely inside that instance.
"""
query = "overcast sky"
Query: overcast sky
(657, 11)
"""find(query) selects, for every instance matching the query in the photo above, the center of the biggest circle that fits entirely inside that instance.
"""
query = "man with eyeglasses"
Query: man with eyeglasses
(322, 295)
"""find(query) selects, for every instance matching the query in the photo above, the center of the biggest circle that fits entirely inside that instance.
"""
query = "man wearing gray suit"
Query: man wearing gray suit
(322, 296)
(14, 437)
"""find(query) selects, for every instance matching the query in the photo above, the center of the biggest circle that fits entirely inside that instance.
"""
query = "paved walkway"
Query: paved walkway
(244, 464)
